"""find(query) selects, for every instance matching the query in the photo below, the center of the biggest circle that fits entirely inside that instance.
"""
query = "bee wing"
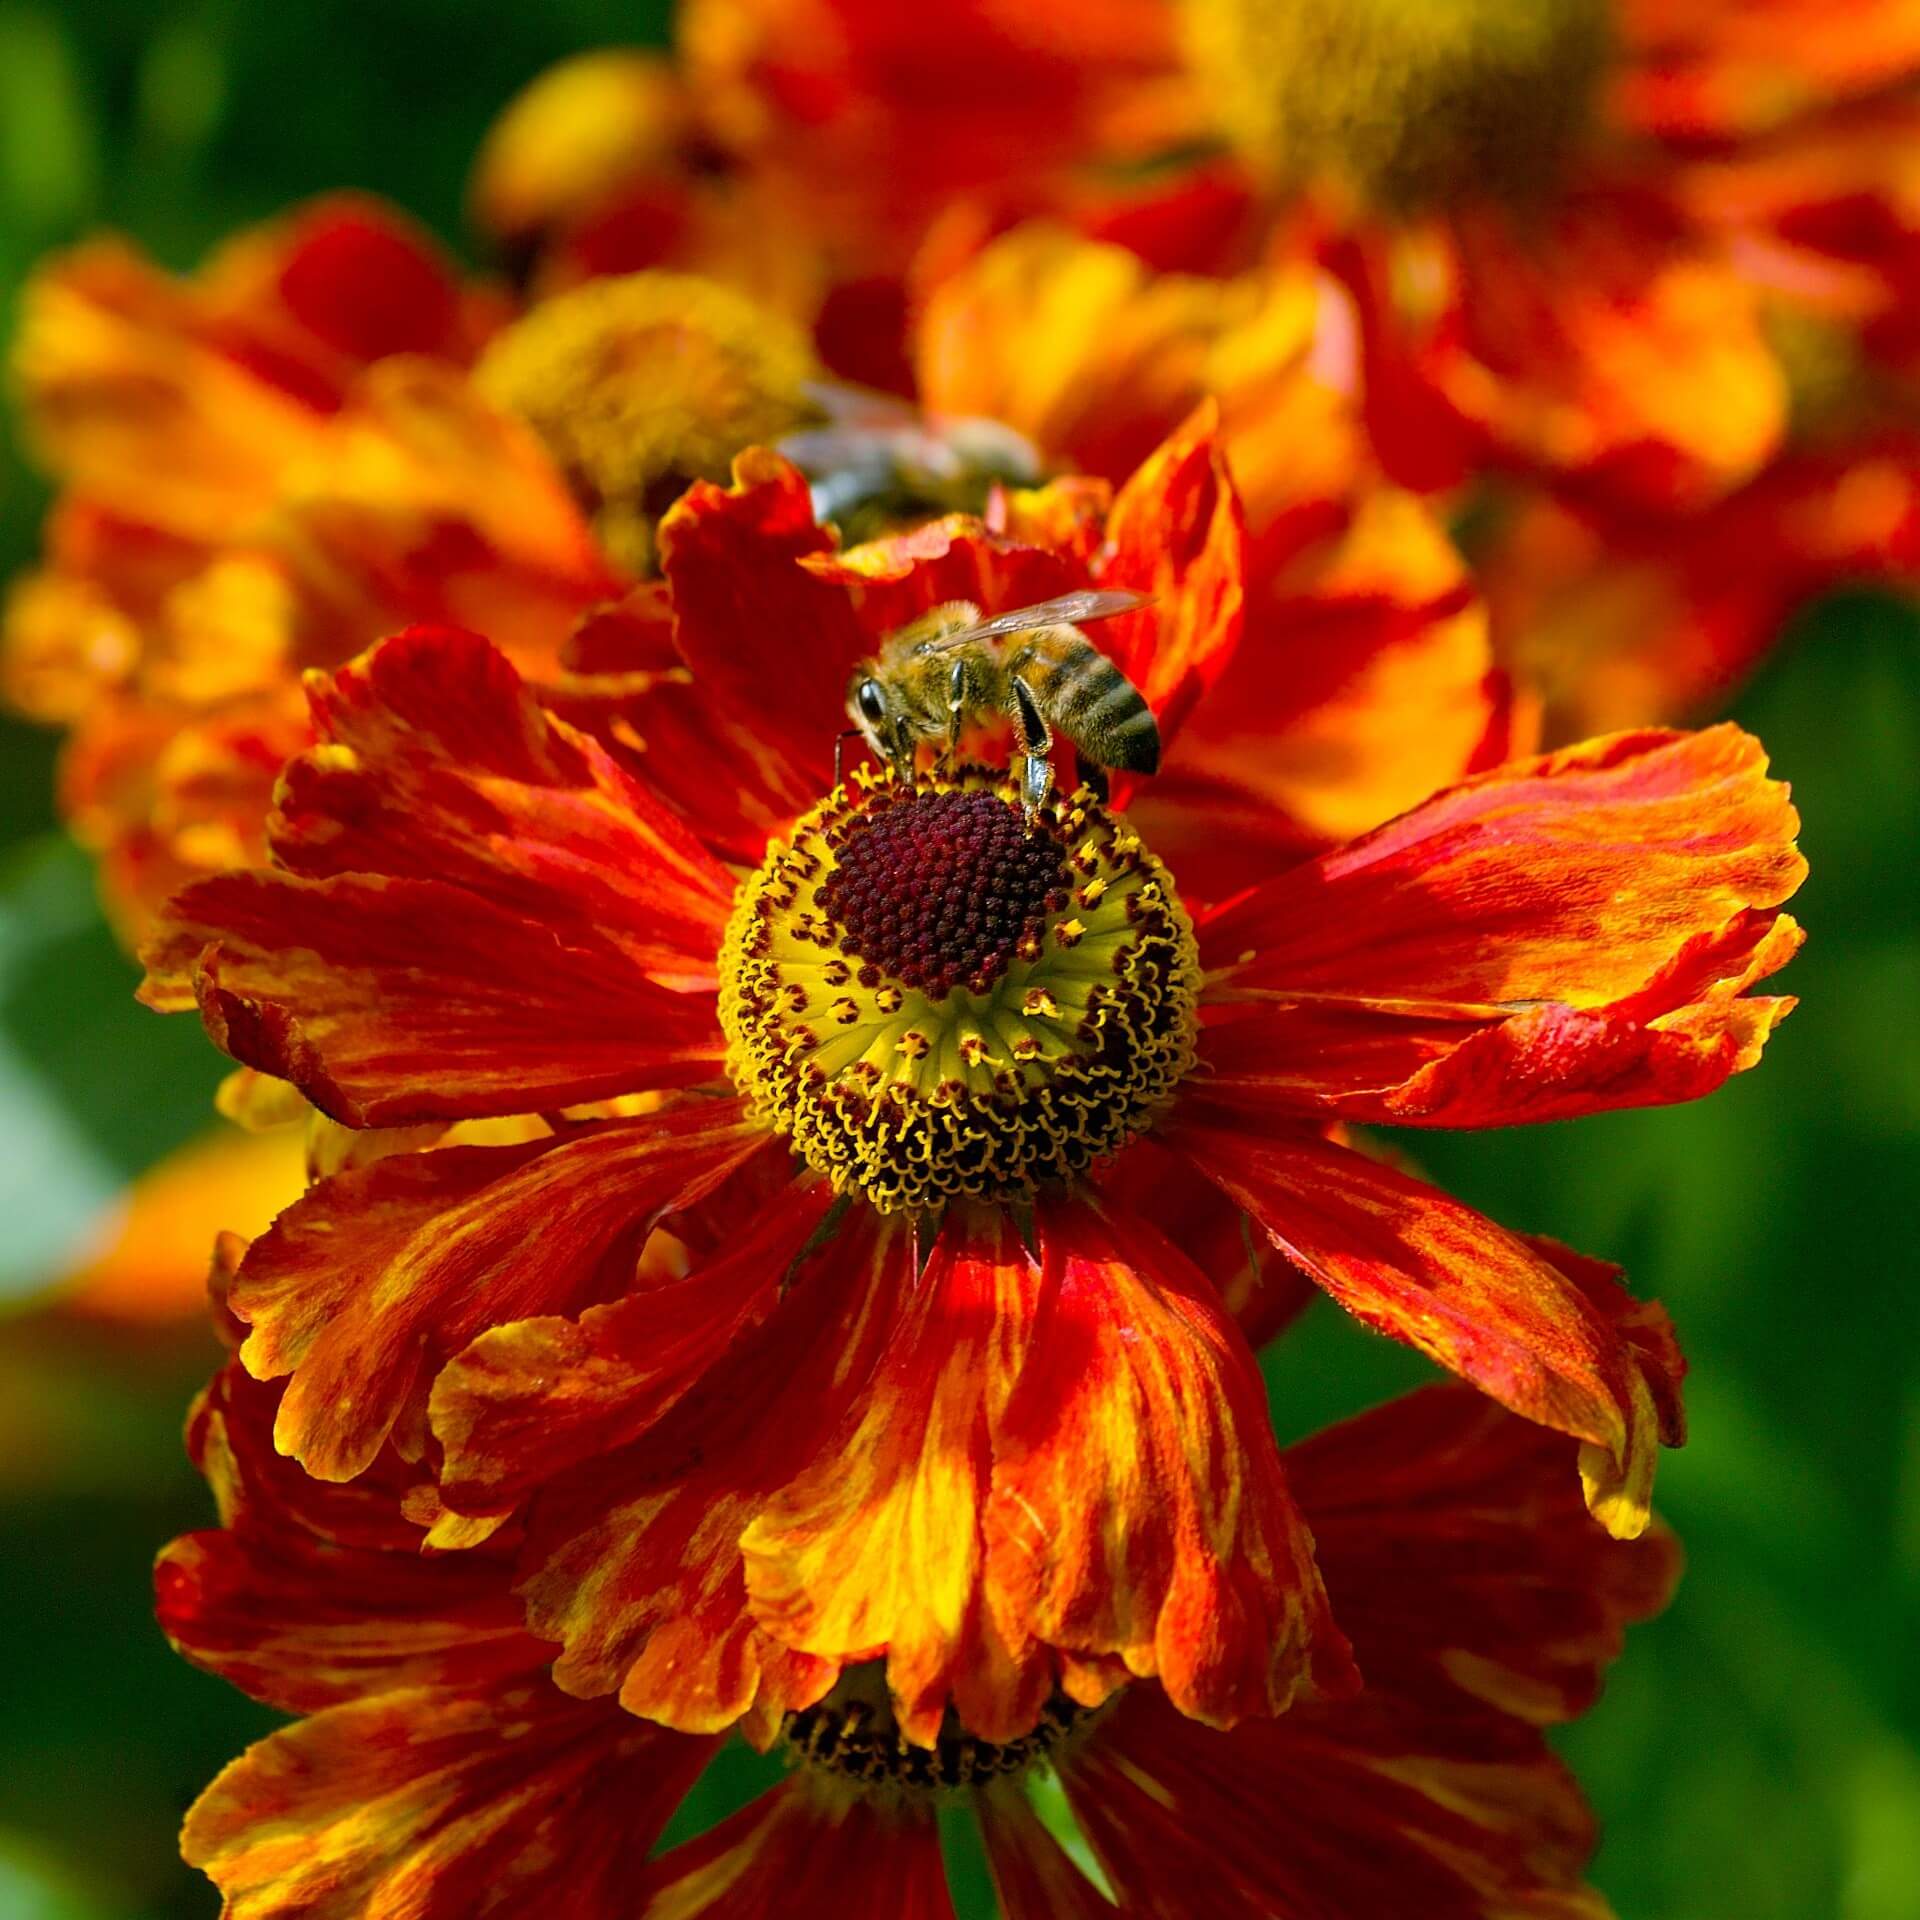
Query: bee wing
(1069, 609)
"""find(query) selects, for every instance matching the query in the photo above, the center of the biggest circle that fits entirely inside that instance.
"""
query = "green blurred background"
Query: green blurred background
(1758, 1754)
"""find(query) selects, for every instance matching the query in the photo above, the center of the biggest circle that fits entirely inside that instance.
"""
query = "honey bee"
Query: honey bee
(1033, 665)
(874, 463)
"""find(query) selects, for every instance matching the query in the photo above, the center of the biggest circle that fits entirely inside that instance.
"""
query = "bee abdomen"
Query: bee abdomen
(1105, 715)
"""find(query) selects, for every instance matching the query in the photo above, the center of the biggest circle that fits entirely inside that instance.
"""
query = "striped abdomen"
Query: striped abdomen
(1086, 697)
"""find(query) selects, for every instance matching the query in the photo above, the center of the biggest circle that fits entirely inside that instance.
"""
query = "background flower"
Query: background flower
(1759, 1752)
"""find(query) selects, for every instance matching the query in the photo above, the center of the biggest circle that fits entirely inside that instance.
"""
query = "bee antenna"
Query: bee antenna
(840, 740)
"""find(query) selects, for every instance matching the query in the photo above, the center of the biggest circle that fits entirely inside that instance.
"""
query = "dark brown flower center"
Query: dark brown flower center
(942, 889)
(857, 1740)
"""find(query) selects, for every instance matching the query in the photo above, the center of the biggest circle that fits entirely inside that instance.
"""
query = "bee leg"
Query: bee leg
(1035, 738)
(903, 752)
(956, 708)
(1094, 779)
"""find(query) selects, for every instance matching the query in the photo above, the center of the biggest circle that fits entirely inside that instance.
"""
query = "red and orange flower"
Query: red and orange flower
(439, 1770)
(957, 1396)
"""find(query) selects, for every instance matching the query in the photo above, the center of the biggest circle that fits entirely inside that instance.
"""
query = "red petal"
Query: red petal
(366, 284)
(365, 1287)
(1176, 532)
(790, 1853)
(388, 1002)
(1482, 1603)
(436, 763)
(1628, 879)
(1032, 1877)
(764, 637)
(530, 1400)
(313, 1594)
(440, 1806)
(1138, 1505)
(900, 576)
(1464, 1569)
(877, 1544)
(1417, 1265)
(1346, 1813)
(633, 1560)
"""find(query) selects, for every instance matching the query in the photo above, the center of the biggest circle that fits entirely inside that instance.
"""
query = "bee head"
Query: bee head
(870, 709)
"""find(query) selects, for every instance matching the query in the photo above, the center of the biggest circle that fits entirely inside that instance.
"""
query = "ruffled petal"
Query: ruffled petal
(877, 1544)
(1138, 1506)
(1559, 936)
(312, 1594)
(1567, 1350)
(379, 1275)
(1453, 1541)
(435, 762)
(633, 1559)
(899, 576)
(791, 1852)
(764, 637)
(392, 1002)
(1364, 681)
(442, 1805)
(1177, 534)
(528, 1401)
(1483, 1604)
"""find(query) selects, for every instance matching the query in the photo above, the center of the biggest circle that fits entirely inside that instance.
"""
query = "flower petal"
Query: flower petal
(1177, 534)
(1482, 1603)
(529, 1400)
(1138, 1505)
(764, 637)
(1630, 879)
(633, 1560)
(1566, 1350)
(1033, 1879)
(379, 1275)
(877, 1544)
(442, 1805)
(391, 1002)
(435, 762)
(789, 1852)
(1464, 1570)
(311, 1594)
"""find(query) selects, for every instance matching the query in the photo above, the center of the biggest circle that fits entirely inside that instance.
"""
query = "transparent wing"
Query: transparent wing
(1070, 609)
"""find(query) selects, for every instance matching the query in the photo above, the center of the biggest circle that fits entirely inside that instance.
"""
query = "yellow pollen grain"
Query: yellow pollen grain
(1405, 104)
(642, 383)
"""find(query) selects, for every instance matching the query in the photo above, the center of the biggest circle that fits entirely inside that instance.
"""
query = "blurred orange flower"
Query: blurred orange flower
(1653, 258)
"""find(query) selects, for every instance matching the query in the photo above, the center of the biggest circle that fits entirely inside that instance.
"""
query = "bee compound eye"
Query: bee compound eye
(872, 702)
